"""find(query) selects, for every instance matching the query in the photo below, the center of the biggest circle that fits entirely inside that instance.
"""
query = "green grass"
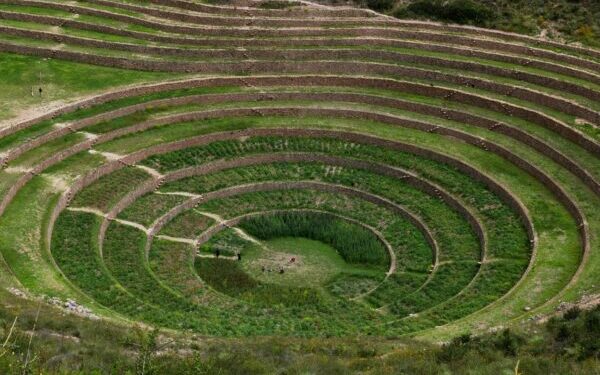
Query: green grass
(75, 251)
(189, 224)
(21, 236)
(451, 228)
(109, 189)
(150, 207)
(227, 242)
(315, 263)
(60, 80)
(356, 245)
(172, 263)
(406, 240)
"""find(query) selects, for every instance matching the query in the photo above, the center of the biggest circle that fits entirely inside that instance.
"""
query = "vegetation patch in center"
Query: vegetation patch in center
(355, 244)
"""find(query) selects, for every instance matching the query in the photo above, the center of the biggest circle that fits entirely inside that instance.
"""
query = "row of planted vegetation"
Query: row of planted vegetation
(448, 179)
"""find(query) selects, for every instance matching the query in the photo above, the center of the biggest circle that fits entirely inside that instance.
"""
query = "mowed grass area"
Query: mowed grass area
(315, 263)
(22, 76)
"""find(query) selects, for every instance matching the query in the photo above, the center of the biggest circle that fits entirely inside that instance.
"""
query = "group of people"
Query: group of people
(218, 254)
(263, 268)
(281, 268)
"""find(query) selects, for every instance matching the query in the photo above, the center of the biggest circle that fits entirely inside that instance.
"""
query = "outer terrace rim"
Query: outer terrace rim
(474, 120)
(375, 56)
(477, 142)
(429, 25)
(313, 34)
(325, 80)
(575, 63)
(572, 71)
(313, 81)
(246, 9)
(453, 27)
(282, 20)
(387, 119)
(288, 46)
(336, 67)
(237, 112)
(151, 16)
(308, 10)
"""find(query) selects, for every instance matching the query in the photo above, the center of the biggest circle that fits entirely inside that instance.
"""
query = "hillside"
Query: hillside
(571, 21)
(192, 185)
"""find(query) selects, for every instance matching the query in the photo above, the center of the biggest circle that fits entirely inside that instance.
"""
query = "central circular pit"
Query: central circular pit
(304, 262)
(336, 233)
(305, 252)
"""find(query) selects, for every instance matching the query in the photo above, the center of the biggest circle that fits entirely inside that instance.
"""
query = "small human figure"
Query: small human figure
(239, 256)
(263, 269)
(40, 91)
(217, 253)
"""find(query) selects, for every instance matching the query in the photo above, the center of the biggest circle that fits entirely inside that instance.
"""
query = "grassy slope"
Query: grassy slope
(60, 81)
(65, 344)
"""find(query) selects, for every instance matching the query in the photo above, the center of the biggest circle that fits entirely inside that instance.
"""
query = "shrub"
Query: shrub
(380, 5)
(457, 11)
(272, 4)
(508, 343)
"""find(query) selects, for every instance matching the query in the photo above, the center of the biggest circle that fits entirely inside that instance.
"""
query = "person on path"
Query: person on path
(217, 253)
(239, 256)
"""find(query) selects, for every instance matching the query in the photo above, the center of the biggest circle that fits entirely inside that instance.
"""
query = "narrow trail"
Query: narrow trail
(151, 171)
(177, 239)
(179, 193)
(107, 155)
(98, 212)
(239, 231)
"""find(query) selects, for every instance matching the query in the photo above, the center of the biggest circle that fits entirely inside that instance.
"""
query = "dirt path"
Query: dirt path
(96, 211)
(239, 231)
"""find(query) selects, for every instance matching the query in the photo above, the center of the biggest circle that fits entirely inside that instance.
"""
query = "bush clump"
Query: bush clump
(456, 11)
(380, 5)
